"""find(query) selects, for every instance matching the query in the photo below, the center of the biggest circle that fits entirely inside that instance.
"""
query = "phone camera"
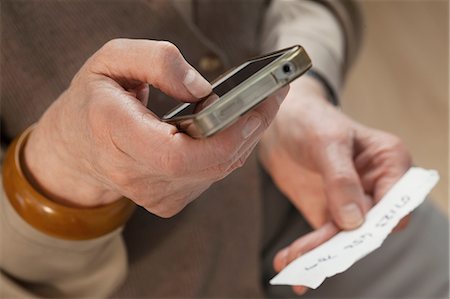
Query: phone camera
(287, 68)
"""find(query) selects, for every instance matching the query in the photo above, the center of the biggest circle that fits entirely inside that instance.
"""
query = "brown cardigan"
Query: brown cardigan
(213, 247)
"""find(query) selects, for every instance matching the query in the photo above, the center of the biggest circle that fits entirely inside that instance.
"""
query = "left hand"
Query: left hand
(332, 168)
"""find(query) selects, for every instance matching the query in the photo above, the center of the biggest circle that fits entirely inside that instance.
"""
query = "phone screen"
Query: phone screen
(224, 85)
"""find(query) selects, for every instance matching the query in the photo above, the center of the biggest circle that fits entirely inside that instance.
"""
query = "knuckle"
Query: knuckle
(98, 61)
(395, 142)
(168, 56)
(240, 162)
(343, 179)
(237, 164)
(164, 212)
(243, 158)
(168, 51)
(114, 45)
(167, 207)
(235, 161)
(221, 170)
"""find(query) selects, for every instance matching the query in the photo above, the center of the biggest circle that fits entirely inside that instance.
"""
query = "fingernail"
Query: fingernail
(196, 84)
(351, 215)
(251, 126)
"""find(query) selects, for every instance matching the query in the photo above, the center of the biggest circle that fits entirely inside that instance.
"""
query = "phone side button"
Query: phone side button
(229, 110)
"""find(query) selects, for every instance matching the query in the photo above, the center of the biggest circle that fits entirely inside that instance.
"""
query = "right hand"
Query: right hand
(98, 141)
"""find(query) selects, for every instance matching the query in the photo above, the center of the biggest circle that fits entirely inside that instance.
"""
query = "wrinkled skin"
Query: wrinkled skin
(332, 168)
(98, 141)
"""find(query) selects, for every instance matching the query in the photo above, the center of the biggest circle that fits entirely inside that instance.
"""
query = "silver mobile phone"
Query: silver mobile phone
(238, 91)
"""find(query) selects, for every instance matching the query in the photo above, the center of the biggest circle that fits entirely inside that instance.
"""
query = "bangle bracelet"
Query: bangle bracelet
(53, 218)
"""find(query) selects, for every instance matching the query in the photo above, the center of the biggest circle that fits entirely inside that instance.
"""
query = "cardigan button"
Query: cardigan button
(210, 63)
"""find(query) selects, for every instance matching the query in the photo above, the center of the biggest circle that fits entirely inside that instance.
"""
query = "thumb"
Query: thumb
(158, 63)
(346, 199)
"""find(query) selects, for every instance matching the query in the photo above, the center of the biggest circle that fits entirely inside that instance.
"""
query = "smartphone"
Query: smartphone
(238, 91)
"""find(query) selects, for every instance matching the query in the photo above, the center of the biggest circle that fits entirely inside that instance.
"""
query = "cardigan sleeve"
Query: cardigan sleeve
(330, 31)
(35, 265)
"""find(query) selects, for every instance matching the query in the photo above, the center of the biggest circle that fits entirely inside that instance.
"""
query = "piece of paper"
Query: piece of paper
(343, 250)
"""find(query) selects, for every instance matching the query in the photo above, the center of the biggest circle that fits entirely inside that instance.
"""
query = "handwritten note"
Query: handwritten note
(343, 250)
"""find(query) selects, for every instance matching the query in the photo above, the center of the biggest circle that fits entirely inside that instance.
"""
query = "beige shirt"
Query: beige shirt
(219, 234)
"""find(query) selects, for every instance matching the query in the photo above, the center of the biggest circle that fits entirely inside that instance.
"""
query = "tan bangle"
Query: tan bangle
(53, 218)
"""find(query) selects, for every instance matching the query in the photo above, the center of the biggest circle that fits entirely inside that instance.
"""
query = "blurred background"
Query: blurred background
(400, 82)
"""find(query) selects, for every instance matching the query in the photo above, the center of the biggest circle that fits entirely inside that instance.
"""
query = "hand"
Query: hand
(329, 166)
(332, 168)
(98, 141)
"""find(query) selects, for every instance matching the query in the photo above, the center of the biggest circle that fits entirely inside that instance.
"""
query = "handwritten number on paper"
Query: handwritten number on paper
(358, 240)
(346, 248)
(320, 260)
(384, 220)
(403, 201)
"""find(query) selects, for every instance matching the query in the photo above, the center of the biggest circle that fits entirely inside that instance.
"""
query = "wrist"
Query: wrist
(331, 94)
(304, 114)
(50, 170)
(309, 88)
(50, 217)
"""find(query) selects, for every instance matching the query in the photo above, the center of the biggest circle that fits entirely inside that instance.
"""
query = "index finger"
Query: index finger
(246, 130)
